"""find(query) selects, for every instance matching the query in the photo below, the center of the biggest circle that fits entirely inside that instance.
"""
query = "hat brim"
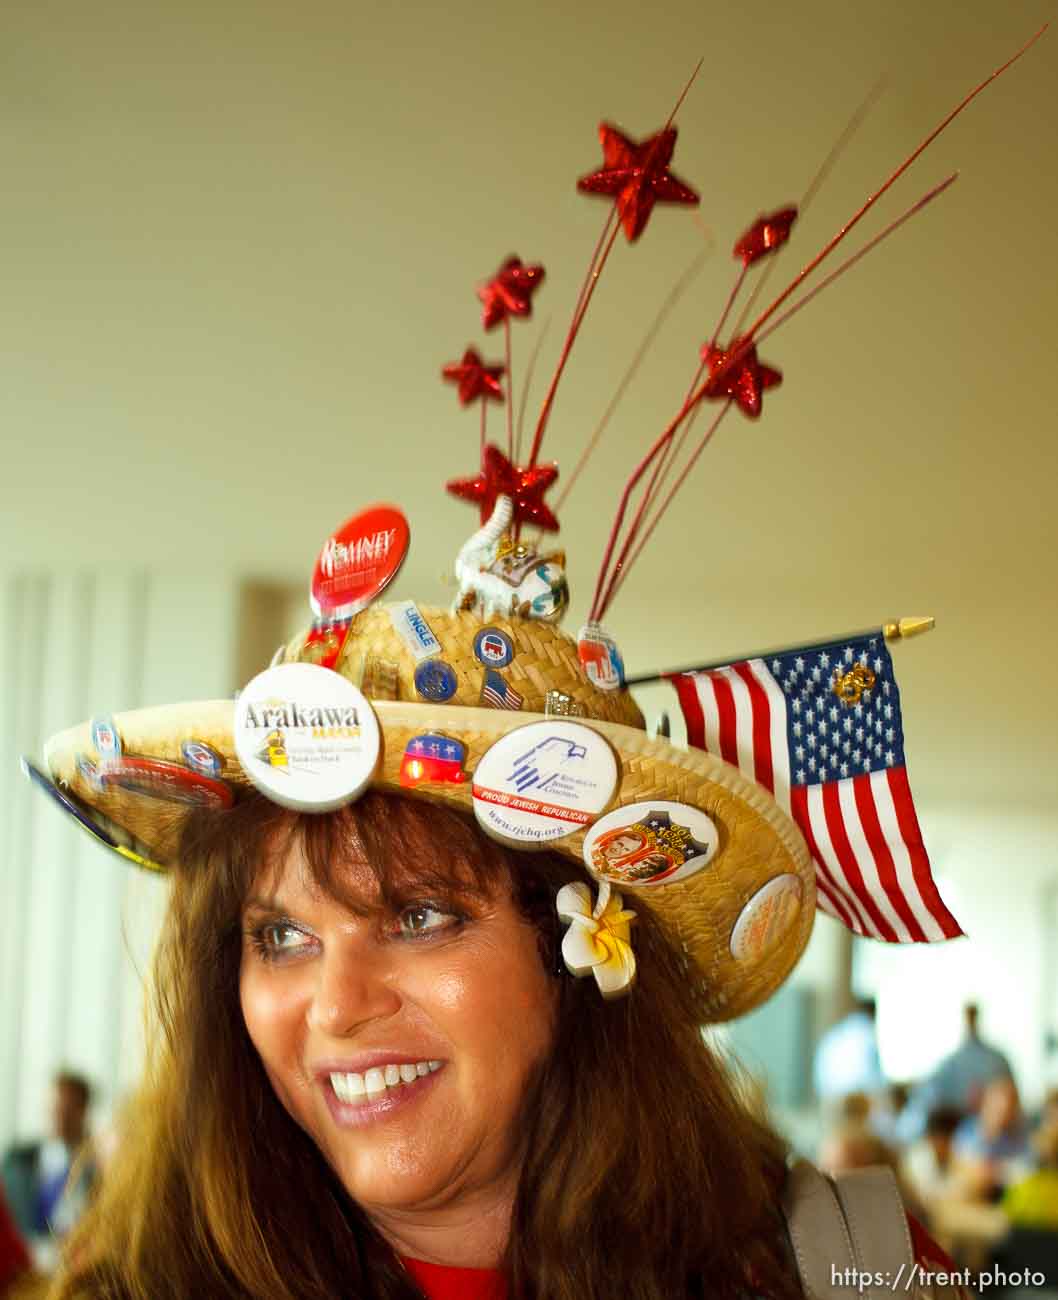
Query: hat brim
(761, 855)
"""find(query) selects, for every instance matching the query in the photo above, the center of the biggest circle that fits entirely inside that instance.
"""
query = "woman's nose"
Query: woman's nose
(353, 988)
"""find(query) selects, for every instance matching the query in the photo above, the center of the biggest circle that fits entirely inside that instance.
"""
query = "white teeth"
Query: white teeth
(352, 1088)
(348, 1087)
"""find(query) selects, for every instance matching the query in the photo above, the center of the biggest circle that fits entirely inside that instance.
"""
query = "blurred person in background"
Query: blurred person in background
(1048, 1112)
(994, 1145)
(49, 1182)
(959, 1080)
(1032, 1202)
(846, 1059)
(1030, 1207)
(886, 1108)
(853, 1144)
(929, 1166)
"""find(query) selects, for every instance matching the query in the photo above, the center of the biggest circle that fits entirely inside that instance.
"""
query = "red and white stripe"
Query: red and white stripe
(510, 699)
(872, 872)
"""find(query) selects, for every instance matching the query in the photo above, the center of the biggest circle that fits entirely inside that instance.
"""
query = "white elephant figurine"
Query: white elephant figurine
(500, 576)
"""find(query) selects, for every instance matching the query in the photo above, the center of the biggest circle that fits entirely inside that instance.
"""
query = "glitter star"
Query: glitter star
(509, 292)
(637, 175)
(475, 379)
(525, 487)
(745, 380)
(765, 235)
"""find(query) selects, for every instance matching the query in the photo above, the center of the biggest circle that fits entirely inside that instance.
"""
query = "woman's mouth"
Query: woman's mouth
(356, 1098)
(371, 1085)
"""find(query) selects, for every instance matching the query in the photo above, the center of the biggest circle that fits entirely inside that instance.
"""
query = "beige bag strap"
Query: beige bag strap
(846, 1229)
(877, 1223)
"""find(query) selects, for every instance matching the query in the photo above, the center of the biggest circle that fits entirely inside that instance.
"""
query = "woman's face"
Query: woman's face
(402, 1044)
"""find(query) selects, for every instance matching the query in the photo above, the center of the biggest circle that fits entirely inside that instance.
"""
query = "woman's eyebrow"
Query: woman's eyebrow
(271, 903)
(275, 905)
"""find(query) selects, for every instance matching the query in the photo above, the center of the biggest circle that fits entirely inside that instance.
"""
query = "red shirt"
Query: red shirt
(14, 1258)
(440, 1282)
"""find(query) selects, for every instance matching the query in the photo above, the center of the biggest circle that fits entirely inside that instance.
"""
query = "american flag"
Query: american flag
(498, 694)
(820, 728)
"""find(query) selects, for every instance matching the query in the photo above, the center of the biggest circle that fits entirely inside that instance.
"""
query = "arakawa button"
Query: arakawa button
(306, 737)
(358, 561)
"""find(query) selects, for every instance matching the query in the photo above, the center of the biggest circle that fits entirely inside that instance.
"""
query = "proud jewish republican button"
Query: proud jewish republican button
(543, 781)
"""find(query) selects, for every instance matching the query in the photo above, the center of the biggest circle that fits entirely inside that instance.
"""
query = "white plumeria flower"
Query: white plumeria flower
(598, 937)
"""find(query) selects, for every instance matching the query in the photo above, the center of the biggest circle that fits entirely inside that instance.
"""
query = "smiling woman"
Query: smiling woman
(410, 1039)
(385, 1016)
(369, 1065)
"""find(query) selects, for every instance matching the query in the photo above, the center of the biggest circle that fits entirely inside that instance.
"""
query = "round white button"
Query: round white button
(543, 781)
(306, 737)
(766, 918)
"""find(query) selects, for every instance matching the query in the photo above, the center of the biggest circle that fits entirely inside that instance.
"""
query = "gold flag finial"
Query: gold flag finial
(900, 629)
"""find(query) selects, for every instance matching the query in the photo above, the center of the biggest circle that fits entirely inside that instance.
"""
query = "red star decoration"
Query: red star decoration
(637, 175)
(475, 379)
(525, 487)
(510, 291)
(765, 235)
(746, 379)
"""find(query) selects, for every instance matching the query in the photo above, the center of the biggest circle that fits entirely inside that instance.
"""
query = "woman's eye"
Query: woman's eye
(422, 918)
(279, 939)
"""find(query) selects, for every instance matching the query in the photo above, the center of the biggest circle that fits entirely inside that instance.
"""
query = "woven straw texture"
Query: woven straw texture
(376, 659)
(758, 842)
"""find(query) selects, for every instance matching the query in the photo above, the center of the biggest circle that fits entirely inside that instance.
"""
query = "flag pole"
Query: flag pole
(895, 630)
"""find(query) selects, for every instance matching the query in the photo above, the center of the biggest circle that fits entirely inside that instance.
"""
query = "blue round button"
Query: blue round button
(105, 737)
(435, 680)
(201, 758)
(493, 648)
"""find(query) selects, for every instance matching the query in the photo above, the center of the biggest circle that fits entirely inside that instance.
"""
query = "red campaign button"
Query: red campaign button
(157, 779)
(358, 561)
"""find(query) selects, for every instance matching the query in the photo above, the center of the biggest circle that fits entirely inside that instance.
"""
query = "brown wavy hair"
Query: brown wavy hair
(645, 1176)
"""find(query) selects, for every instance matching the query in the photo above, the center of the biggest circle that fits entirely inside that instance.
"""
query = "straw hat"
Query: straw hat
(741, 904)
